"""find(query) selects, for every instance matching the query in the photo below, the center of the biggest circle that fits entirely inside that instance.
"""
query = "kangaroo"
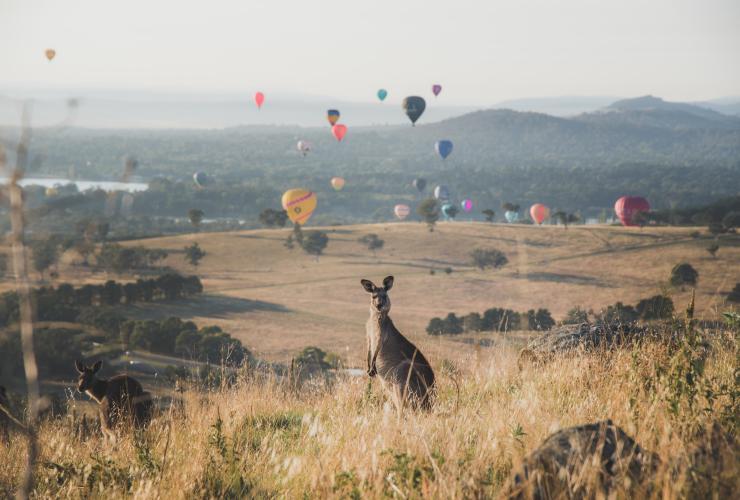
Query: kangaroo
(122, 399)
(402, 368)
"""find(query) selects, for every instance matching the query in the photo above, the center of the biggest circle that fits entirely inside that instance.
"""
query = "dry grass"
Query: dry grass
(258, 438)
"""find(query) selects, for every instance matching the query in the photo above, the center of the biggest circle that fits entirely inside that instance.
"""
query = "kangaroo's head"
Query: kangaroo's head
(87, 375)
(379, 300)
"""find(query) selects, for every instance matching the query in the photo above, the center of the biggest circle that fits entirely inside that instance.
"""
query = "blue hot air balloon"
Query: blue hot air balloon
(382, 94)
(511, 216)
(442, 193)
(443, 148)
(200, 179)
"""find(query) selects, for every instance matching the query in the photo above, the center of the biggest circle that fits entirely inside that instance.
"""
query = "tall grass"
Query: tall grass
(263, 438)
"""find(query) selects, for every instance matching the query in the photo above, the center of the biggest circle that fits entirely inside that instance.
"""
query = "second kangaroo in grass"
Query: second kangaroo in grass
(123, 402)
(402, 368)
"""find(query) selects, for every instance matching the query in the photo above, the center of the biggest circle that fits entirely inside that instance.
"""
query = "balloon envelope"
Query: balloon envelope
(441, 193)
(402, 211)
(539, 212)
(300, 204)
(50, 53)
(511, 216)
(333, 116)
(443, 148)
(420, 184)
(467, 205)
(259, 98)
(339, 131)
(448, 210)
(436, 89)
(414, 106)
(337, 183)
(304, 147)
(627, 208)
(200, 179)
(382, 94)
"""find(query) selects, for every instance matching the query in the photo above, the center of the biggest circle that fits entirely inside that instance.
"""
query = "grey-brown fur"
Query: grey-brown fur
(587, 461)
(123, 403)
(402, 368)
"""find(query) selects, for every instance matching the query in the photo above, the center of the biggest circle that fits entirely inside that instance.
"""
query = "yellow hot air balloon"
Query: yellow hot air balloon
(50, 53)
(337, 183)
(300, 204)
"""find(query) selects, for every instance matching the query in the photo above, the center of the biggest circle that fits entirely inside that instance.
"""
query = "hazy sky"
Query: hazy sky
(481, 51)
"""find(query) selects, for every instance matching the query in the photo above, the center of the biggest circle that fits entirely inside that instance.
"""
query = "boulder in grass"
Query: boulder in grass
(596, 460)
(585, 337)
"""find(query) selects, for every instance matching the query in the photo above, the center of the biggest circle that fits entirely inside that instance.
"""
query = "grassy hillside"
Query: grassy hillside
(277, 301)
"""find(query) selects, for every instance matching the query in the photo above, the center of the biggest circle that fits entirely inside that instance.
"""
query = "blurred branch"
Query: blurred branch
(15, 195)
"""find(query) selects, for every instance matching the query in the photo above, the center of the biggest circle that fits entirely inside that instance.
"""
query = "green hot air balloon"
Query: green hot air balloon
(414, 107)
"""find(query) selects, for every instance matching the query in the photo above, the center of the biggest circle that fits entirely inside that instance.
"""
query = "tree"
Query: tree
(3, 264)
(712, 249)
(734, 295)
(510, 207)
(565, 218)
(314, 242)
(540, 319)
(372, 242)
(45, 253)
(490, 214)
(655, 307)
(575, 316)
(315, 359)
(488, 257)
(429, 212)
(193, 254)
(196, 217)
(473, 322)
(684, 274)
(272, 218)
(731, 220)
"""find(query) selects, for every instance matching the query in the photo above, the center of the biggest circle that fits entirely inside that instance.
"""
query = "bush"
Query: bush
(575, 316)
(684, 274)
(656, 307)
(315, 359)
(483, 258)
(619, 313)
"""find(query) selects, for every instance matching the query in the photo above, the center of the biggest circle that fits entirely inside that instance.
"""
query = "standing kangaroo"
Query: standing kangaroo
(121, 398)
(403, 369)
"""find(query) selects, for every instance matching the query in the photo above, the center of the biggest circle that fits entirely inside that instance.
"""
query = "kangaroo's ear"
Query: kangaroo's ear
(80, 366)
(97, 366)
(368, 285)
(388, 283)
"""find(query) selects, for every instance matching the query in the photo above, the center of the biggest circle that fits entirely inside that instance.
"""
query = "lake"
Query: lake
(131, 187)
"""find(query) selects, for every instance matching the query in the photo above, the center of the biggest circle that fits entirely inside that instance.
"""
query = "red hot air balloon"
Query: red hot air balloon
(259, 98)
(628, 207)
(339, 131)
(539, 212)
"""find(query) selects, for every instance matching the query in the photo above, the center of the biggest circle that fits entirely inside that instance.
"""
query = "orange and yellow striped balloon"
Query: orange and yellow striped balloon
(300, 204)
(337, 183)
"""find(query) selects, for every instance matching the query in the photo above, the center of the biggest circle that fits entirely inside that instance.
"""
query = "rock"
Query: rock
(587, 461)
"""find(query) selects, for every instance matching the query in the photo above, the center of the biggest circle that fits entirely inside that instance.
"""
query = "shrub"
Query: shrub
(619, 313)
(316, 359)
(684, 274)
(575, 316)
(490, 257)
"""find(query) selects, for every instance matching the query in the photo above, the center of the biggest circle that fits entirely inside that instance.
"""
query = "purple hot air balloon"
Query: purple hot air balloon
(436, 89)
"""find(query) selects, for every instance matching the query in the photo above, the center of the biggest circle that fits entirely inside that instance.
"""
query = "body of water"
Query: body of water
(131, 187)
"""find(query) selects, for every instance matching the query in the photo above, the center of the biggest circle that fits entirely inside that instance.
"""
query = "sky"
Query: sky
(481, 51)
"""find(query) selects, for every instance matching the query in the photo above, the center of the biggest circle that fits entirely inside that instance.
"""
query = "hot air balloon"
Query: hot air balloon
(627, 209)
(414, 106)
(259, 98)
(511, 216)
(337, 183)
(467, 205)
(443, 148)
(200, 179)
(420, 184)
(436, 89)
(449, 211)
(304, 147)
(339, 131)
(50, 54)
(333, 116)
(382, 94)
(442, 193)
(300, 204)
(402, 211)
(539, 212)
